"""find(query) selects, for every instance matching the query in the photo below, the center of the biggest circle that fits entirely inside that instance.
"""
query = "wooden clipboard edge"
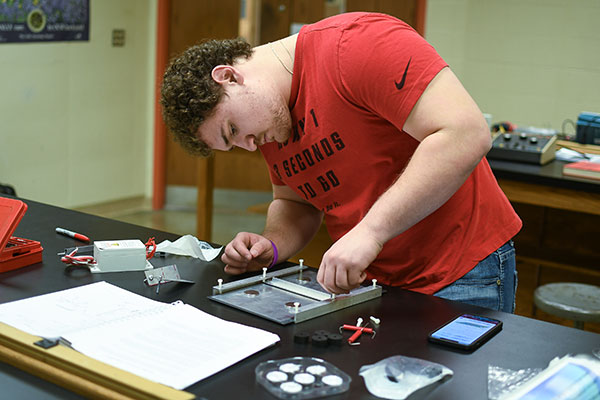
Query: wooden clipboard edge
(75, 371)
(582, 148)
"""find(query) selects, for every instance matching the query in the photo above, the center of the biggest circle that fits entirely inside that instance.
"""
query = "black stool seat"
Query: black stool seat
(575, 301)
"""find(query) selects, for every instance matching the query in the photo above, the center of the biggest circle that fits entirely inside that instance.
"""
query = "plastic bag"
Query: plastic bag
(397, 377)
(569, 378)
(503, 380)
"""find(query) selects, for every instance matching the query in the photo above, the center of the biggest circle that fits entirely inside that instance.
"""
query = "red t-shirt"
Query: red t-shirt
(356, 78)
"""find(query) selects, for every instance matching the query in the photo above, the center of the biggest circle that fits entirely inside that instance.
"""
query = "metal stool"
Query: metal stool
(575, 301)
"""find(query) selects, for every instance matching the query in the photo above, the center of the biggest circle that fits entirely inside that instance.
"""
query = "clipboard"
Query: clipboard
(77, 372)
(15, 252)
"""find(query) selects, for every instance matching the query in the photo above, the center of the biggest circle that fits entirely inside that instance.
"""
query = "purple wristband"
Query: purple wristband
(275, 254)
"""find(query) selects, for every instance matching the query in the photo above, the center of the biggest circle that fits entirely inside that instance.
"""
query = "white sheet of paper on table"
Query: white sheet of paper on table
(173, 344)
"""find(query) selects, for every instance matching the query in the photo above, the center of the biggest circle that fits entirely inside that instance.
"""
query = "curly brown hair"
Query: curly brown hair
(189, 95)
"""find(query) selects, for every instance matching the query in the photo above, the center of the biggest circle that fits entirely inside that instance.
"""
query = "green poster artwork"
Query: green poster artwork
(44, 20)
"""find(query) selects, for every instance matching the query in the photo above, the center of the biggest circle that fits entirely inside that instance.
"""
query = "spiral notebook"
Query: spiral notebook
(173, 344)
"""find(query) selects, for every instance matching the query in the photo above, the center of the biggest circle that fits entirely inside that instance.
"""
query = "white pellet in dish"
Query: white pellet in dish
(291, 387)
(276, 376)
(316, 369)
(304, 378)
(289, 367)
(332, 380)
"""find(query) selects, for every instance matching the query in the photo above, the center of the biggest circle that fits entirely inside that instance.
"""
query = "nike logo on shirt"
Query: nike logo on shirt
(400, 85)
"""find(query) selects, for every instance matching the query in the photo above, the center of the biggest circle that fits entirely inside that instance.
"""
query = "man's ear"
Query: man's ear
(224, 74)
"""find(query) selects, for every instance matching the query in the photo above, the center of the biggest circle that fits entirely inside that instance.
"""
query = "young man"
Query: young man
(359, 121)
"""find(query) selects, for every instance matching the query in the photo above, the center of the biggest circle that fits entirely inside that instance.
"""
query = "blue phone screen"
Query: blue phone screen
(465, 329)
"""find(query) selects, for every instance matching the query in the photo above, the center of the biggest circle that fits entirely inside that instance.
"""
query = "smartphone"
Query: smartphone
(466, 332)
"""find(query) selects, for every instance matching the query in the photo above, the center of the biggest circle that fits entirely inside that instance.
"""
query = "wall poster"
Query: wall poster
(44, 20)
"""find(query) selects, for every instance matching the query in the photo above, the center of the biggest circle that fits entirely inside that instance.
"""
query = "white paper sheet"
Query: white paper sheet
(173, 344)
(55, 314)
(565, 154)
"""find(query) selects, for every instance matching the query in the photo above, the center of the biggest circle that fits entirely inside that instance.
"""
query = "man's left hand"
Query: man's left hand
(343, 265)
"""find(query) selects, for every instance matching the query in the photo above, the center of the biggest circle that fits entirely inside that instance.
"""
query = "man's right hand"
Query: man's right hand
(247, 252)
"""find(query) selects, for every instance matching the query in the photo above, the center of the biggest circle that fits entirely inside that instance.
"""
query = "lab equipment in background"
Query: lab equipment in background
(588, 128)
(536, 148)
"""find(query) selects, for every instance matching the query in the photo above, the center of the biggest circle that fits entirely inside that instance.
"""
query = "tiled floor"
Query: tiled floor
(234, 211)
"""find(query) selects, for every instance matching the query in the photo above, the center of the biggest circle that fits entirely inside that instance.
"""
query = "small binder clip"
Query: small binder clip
(48, 343)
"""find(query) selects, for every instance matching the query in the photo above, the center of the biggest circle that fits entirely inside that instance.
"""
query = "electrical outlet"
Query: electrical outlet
(118, 37)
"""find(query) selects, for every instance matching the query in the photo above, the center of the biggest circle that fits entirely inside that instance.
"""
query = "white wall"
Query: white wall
(531, 62)
(77, 117)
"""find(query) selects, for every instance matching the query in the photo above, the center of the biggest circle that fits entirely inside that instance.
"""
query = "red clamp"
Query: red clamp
(72, 259)
(150, 248)
(358, 330)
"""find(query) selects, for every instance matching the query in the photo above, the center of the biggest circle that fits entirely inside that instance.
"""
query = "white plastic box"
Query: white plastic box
(119, 255)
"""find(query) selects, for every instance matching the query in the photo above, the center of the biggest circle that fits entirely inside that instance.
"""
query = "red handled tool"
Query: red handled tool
(358, 331)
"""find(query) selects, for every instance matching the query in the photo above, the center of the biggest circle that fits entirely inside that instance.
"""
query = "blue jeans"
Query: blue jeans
(491, 284)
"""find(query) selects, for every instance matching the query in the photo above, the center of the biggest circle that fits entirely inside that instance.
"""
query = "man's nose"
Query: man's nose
(247, 143)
